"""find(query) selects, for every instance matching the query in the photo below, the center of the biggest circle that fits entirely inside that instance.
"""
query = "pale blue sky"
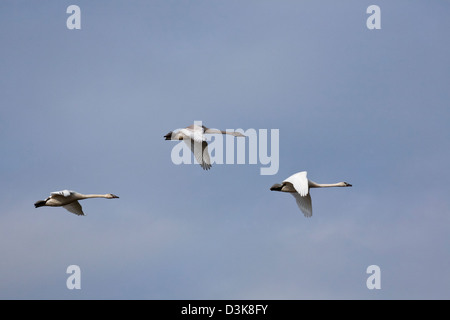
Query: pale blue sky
(87, 110)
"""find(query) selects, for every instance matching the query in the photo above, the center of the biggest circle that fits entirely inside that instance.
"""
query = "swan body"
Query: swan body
(194, 137)
(298, 185)
(68, 199)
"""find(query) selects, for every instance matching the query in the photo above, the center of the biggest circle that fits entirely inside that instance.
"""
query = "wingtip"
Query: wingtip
(206, 166)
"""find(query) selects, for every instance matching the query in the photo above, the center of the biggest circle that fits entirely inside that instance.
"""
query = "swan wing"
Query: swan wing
(74, 207)
(200, 151)
(304, 203)
(195, 135)
(64, 193)
(300, 182)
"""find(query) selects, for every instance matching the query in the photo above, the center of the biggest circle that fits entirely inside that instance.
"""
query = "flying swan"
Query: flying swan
(298, 185)
(69, 200)
(194, 137)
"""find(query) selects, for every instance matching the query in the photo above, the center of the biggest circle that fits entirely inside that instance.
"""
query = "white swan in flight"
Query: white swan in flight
(298, 185)
(194, 137)
(69, 200)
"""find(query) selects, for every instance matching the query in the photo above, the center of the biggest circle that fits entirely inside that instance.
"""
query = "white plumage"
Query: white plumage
(194, 137)
(68, 199)
(298, 185)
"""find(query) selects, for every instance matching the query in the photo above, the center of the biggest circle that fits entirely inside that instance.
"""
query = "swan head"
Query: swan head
(276, 187)
(111, 196)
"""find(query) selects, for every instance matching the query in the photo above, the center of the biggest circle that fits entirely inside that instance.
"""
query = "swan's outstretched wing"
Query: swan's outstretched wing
(304, 203)
(200, 151)
(300, 182)
(64, 193)
(74, 207)
(194, 134)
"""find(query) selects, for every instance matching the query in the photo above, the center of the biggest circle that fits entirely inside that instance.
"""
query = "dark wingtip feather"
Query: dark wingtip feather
(205, 166)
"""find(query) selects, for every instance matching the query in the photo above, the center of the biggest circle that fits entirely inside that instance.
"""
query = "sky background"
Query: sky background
(87, 110)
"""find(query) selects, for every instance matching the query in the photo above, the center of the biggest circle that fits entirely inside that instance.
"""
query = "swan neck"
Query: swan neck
(313, 184)
(213, 131)
(89, 196)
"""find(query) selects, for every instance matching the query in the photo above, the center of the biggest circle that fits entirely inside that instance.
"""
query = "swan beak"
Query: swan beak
(114, 196)
(276, 187)
(348, 184)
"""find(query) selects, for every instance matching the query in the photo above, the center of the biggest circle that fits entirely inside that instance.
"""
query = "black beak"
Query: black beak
(168, 136)
(39, 203)
(276, 187)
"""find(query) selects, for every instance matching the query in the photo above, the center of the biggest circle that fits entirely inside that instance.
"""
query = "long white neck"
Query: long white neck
(215, 131)
(233, 133)
(88, 196)
(313, 184)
